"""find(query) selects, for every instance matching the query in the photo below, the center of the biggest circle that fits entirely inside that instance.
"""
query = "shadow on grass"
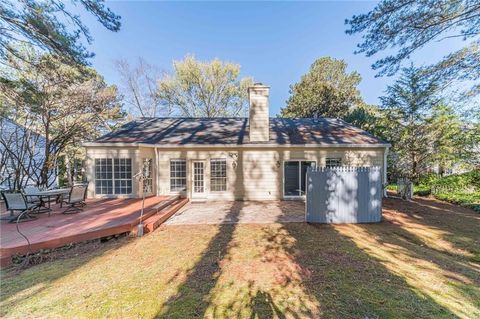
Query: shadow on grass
(299, 270)
(262, 305)
(441, 225)
(192, 298)
(40, 277)
(347, 281)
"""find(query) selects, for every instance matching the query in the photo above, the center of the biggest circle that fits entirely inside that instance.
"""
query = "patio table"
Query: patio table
(48, 194)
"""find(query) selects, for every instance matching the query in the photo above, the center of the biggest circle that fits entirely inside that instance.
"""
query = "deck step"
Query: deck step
(153, 222)
(151, 212)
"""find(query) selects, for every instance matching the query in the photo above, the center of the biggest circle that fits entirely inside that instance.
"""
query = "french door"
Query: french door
(294, 174)
(198, 179)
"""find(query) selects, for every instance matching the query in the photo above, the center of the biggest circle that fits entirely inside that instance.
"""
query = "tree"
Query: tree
(471, 150)
(66, 105)
(326, 90)
(43, 25)
(369, 118)
(406, 108)
(448, 138)
(204, 89)
(406, 26)
(139, 88)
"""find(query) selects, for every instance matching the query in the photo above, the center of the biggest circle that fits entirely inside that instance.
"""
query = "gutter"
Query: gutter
(156, 171)
(385, 166)
(157, 146)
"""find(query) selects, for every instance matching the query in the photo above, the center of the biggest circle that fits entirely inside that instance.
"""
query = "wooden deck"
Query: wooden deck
(100, 218)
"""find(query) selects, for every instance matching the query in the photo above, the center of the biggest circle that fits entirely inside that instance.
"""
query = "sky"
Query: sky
(274, 42)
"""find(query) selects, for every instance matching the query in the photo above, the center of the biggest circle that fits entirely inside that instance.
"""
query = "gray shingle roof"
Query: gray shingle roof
(228, 131)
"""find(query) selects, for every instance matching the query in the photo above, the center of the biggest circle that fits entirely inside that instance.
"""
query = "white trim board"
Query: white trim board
(160, 146)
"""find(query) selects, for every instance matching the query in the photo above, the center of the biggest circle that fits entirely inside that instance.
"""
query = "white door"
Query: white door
(198, 180)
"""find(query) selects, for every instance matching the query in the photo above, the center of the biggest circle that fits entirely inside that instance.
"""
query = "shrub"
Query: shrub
(429, 179)
(457, 183)
(471, 200)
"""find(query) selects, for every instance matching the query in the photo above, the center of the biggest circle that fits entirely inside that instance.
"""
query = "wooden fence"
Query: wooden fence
(344, 195)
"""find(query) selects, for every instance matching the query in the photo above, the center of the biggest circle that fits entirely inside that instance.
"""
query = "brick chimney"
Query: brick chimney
(258, 120)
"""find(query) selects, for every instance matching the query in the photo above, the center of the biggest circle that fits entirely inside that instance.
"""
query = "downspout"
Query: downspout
(385, 154)
(156, 171)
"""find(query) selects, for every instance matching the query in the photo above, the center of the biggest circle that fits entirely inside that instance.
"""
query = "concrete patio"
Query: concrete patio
(244, 212)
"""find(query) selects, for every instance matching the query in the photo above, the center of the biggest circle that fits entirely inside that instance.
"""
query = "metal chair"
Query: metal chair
(18, 202)
(33, 199)
(76, 199)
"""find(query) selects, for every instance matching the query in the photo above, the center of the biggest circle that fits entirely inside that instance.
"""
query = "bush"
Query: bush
(422, 190)
(471, 200)
(461, 189)
(428, 179)
(457, 183)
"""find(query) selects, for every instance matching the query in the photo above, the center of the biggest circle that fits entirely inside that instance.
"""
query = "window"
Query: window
(218, 175)
(148, 174)
(333, 162)
(103, 176)
(113, 176)
(294, 174)
(178, 175)
(198, 178)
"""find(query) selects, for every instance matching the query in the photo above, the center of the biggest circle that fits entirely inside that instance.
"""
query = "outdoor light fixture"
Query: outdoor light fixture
(234, 156)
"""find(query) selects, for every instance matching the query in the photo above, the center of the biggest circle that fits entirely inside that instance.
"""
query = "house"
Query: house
(254, 158)
(22, 156)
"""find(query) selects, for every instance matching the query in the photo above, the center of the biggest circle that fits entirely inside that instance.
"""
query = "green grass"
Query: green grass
(422, 261)
(461, 189)
(420, 190)
(470, 200)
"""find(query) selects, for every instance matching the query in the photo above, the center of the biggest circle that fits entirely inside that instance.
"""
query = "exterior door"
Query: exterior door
(198, 180)
(294, 173)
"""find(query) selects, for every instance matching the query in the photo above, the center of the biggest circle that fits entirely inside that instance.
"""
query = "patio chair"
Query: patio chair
(18, 202)
(32, 199)
(76, 199)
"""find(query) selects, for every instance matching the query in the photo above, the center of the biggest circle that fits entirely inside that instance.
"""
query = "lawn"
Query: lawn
(463, 198)
(422, 261)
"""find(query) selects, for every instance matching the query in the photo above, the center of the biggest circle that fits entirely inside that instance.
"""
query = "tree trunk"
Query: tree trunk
(414, 167)
(47, 158)
(441, 170)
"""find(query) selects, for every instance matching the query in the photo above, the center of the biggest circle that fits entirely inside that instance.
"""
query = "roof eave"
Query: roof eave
(320, 145)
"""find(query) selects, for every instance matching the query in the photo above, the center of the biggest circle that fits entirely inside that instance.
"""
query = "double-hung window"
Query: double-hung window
(103, 176)
(178, 175)
(218, 175)
(113, 176)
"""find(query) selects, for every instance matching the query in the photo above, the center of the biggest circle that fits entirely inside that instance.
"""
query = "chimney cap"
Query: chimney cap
(258, 85)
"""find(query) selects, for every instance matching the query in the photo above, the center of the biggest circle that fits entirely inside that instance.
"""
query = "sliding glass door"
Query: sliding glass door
(294, 173)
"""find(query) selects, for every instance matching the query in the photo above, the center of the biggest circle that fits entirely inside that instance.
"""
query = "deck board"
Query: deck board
(100, 218)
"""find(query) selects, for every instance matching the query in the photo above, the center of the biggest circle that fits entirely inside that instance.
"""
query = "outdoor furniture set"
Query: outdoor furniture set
(34, 201)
